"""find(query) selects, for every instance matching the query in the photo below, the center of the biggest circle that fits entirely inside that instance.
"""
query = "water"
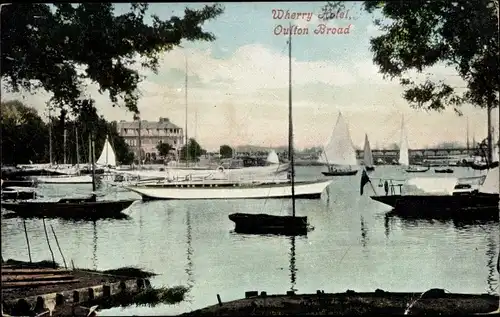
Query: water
(353, 246)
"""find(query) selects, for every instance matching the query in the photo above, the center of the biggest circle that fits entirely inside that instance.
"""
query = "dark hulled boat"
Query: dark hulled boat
(271, 224)
(456, 201)
(332, 171)
(417, 170)
(444, 170)
(18, 193)
(464, 205)
(18, 183)
(482, 167)
(68, 208)
(264, 223)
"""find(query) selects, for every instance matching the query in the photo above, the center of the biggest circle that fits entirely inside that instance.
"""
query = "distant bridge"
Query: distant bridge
(379, 153)
(421, 153)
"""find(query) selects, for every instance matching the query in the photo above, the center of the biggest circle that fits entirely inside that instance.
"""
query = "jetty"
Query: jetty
(30, 289)
(434, 301)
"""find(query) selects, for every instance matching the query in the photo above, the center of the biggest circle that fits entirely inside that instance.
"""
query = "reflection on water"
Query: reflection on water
(293, 269)
(354, 246)
(94, 253)
(189, 253)
(491, 253)
(364, 233)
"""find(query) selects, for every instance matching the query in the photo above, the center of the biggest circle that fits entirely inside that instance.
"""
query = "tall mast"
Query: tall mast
(290, 121)
(186, 103)
(50, 134)
(467, 134)
(77, 148)
(64, 143)
(139, 142)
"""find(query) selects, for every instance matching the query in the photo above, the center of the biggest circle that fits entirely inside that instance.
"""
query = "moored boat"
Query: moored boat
(18, 193)
(444, 170)
(215, 189)
(269, 224)
(76, 179)
(339, 154)
(278, 224)
(445, 197)
(368, 156)
(72, 208)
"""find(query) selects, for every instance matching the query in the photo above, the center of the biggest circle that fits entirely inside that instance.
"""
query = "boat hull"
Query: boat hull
(269, 224)
(18, 183)
(71, 210)
(447, 171)
(83, 179)
(303, 190)
(340, 173)
(417, 170)
(464, 205)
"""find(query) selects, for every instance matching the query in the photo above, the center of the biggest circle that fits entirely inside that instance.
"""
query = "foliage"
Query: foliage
(24, 134)
(25, 137)
(194, 151)
(164, 148)
(420, 34)
(48, 46)
(226, 151)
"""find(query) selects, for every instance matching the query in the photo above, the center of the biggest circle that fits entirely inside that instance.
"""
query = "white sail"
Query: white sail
(495, 154)
(339, 150)
(108, 156)
(273, 158)
(403, 147)
(368, 157)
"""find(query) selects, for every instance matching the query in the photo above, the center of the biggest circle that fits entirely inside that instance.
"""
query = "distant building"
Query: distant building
(152, 134)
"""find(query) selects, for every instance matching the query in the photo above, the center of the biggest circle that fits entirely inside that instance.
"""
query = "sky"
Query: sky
(238, 84)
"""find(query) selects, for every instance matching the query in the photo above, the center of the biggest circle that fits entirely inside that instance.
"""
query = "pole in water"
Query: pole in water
(59, 247)
(27, 239)
(48, 242)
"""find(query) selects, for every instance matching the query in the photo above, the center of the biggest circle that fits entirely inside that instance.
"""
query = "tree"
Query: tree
(226, 151)
(194, 151)
(45, 48)
(420, 34)
(164, 149)
(24, 134)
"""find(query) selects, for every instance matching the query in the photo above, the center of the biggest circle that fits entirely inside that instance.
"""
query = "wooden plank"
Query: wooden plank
(39, 277)
(34, 271)
(36, 283)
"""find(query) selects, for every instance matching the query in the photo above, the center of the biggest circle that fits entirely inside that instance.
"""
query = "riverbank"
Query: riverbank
(34, 288)
(435, 301)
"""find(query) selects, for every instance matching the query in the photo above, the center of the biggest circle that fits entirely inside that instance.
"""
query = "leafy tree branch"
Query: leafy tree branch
(62, 46)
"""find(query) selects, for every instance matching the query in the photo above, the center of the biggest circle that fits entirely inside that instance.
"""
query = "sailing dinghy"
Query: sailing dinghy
(339, 154)
(368, 156)
(404, 155)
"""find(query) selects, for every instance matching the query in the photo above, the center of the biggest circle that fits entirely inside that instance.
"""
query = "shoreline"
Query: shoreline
(434, 301)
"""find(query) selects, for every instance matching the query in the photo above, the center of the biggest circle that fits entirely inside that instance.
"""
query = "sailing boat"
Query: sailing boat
(80, 208)
(368, 156)
(264, 223)
(210, 187)
(108, 156)
(339, 154)
(76, 178)
(404, 155)
(273, 158)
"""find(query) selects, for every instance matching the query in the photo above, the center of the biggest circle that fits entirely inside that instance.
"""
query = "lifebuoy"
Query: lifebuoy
(220, 169)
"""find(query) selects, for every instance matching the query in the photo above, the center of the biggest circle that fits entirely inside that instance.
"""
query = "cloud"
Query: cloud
(243, 99)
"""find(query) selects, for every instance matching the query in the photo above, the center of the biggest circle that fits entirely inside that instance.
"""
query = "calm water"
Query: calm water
(353, 246)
